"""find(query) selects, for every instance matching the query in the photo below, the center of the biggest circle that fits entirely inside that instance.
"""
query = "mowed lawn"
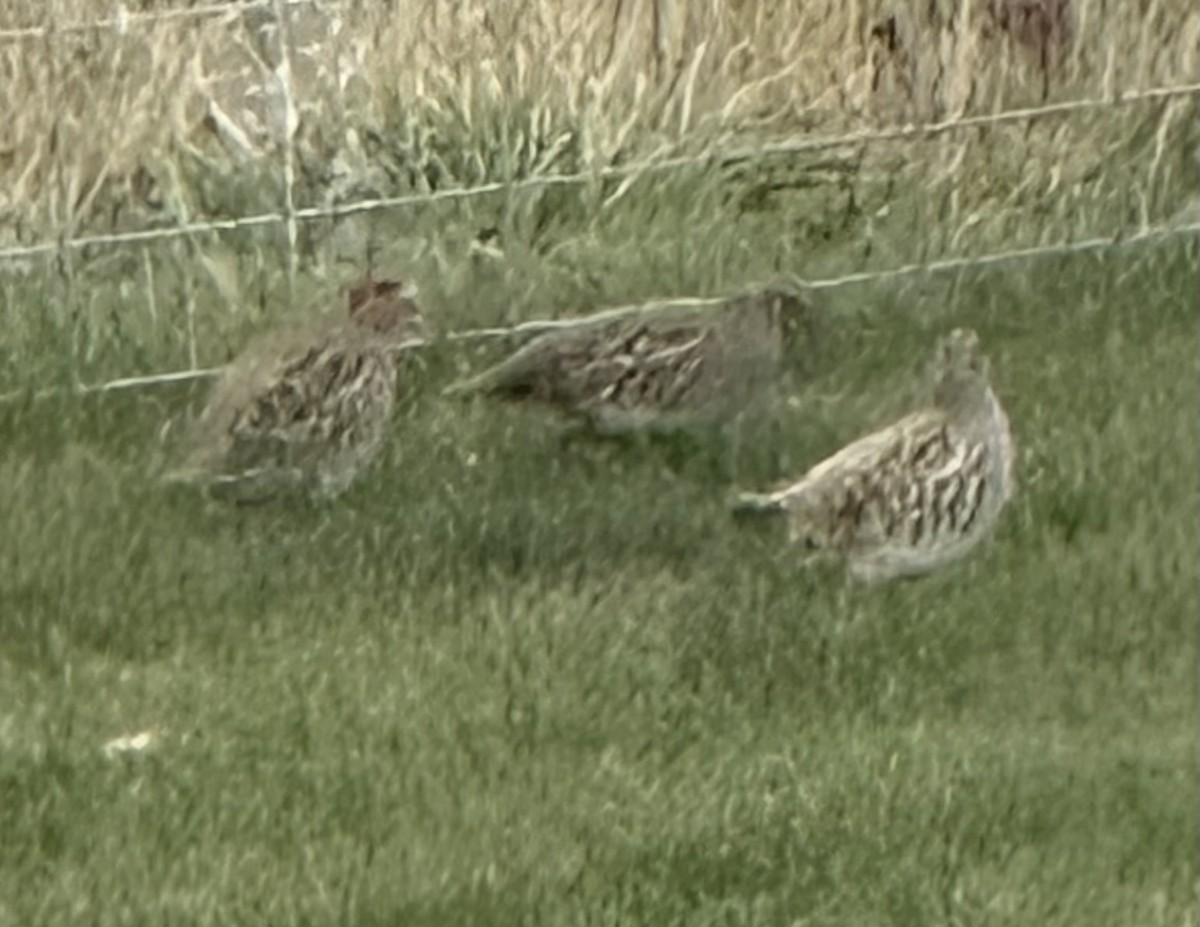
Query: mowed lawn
(503, 681)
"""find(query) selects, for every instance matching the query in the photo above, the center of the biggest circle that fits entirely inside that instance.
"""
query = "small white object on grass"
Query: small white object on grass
(130, 743)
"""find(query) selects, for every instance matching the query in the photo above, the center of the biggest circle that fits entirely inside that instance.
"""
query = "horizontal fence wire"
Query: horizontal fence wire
(768, 149)
(1146, 237)
(123, 20)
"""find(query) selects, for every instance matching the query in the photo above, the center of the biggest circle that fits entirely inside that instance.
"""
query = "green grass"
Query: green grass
(502, 683)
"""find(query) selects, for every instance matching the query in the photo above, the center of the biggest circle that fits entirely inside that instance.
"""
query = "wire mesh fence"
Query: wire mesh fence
(281, 47)
(291, 214)
(1148, 237)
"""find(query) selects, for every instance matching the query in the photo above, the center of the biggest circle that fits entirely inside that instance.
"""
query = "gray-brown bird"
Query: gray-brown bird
(656, 371)
(305, 410)
(917, 494)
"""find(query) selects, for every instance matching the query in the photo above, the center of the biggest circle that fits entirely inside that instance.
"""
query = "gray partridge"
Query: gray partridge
(305, 410)
(653, 371)
(917, 494)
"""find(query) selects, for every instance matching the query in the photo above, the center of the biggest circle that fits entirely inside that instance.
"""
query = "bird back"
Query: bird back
(659, 369)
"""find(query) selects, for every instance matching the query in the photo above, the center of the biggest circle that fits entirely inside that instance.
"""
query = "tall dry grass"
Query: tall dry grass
(124, 128)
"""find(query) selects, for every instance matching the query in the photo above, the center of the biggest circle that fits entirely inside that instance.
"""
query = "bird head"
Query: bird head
(960, 371)
(388, 308)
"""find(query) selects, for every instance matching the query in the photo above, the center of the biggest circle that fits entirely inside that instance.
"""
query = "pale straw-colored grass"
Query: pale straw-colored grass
(112, 128)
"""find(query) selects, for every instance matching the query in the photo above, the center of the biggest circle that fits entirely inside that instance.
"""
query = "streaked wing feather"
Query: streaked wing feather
(874, 488)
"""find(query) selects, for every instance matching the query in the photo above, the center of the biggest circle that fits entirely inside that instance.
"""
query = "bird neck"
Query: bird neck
(966, 399)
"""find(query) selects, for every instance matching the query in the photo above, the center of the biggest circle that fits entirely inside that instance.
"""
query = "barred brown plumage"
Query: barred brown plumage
(304, 409)
(917, 494)
(656, 372)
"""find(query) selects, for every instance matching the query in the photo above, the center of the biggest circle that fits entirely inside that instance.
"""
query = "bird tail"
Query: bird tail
(188, 474)
(468, 387)
(756, 503)
(509, 378)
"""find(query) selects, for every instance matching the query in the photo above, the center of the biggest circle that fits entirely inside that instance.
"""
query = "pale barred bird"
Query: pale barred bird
(920, 493)
(655, 371)
(305, 410)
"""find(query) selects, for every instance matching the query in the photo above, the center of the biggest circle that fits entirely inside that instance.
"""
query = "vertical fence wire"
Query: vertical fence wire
(289, 120)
